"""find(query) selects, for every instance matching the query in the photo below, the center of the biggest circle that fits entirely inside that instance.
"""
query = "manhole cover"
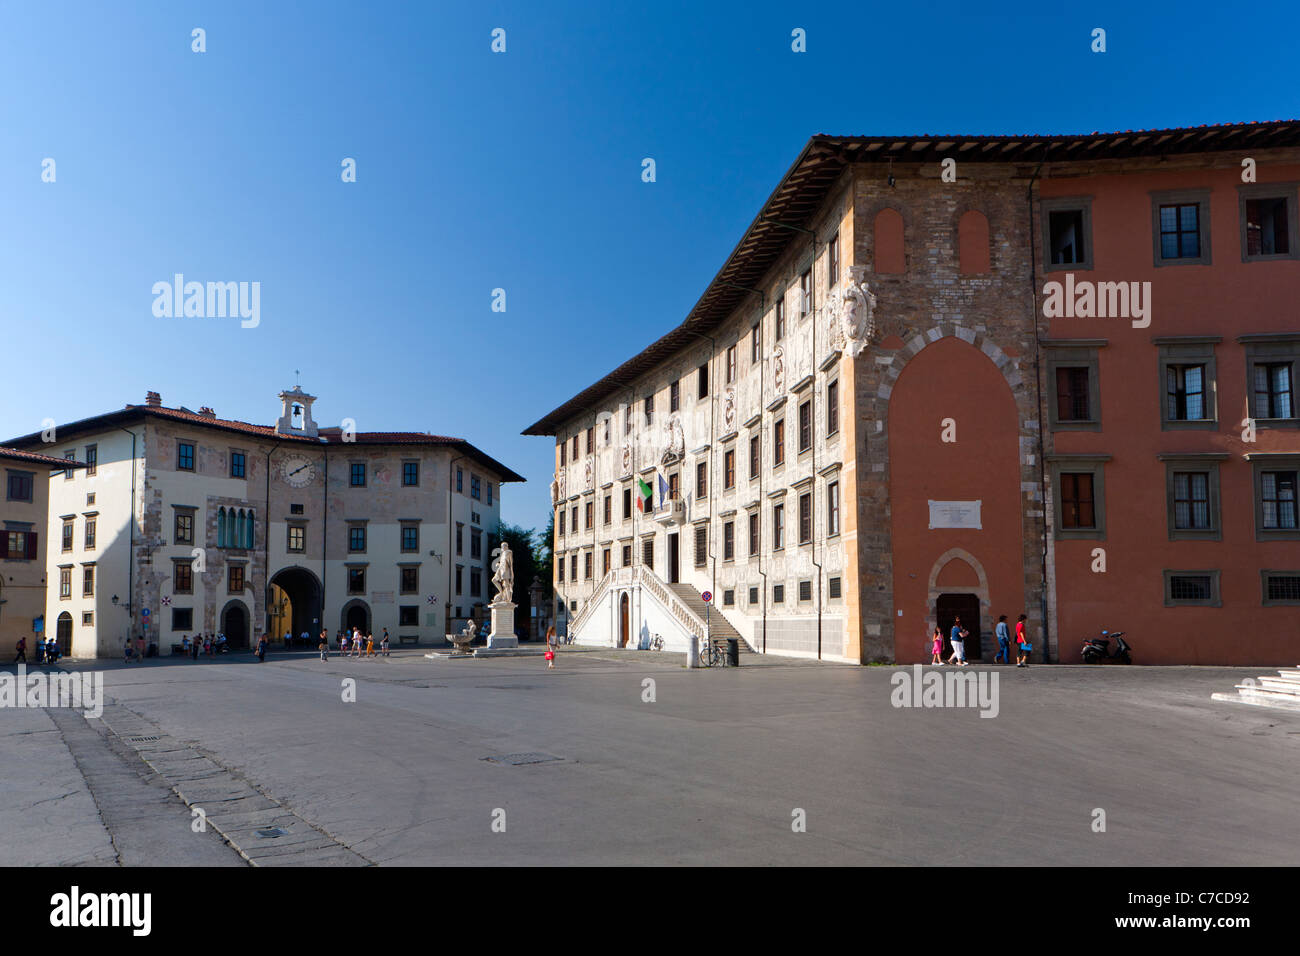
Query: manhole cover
(141, 740)
(518, 760)
(270, 833)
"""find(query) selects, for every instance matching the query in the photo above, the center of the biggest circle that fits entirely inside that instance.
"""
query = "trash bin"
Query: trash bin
(733, 652)
(151, 651)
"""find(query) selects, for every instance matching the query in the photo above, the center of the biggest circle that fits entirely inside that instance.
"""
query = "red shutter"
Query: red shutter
(31, 545)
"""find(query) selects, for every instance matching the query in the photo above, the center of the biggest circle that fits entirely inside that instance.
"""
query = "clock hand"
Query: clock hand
(296, 470)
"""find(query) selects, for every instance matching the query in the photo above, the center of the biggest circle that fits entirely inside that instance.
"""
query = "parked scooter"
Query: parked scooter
(1096, 650)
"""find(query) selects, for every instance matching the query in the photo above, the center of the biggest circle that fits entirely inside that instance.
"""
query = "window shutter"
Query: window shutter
(4, 545)
(31, 544)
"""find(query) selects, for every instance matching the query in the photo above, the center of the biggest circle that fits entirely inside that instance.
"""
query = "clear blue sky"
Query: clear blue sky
(478, 170)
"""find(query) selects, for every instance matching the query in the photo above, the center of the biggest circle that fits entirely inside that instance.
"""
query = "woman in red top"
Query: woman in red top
(1023, 647)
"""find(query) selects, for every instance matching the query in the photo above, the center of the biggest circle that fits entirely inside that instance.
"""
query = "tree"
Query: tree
(544, 556)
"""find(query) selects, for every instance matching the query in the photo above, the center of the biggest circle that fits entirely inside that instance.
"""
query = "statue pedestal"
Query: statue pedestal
(503, 625)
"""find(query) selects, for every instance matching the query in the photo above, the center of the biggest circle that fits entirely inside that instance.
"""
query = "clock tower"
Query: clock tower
(295, 413)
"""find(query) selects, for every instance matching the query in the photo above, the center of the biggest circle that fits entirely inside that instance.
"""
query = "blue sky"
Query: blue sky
(478, 170)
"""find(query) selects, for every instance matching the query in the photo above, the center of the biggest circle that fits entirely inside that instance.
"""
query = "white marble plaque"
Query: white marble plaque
(955, 514)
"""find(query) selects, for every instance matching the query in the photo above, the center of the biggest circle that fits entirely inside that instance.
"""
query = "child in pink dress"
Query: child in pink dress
(937, 647)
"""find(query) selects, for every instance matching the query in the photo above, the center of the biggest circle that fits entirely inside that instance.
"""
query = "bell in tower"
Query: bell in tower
(295, 413)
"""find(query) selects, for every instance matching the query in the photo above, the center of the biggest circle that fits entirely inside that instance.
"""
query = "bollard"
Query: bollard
(693, 651)
(733, 652)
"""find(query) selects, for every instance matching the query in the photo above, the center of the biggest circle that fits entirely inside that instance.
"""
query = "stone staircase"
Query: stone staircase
(1281, 692)
(720, 628)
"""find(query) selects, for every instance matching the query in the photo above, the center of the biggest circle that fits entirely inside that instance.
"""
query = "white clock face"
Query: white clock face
(298, 472)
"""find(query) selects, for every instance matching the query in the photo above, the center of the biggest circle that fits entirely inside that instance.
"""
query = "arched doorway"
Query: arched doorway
(293, 604)
(356, 613)
(623, 620)
(950, 608)
(234, 624)
(63, 633)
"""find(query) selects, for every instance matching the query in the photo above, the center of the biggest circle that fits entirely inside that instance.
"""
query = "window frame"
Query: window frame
(1182, 197)
(1265, 600)
(1074, 353)
(1079, 464)
(1283, 190)
(1271, 462)
(1216, 595)
(1271, 349)
(1066, 204)
(1176, 464)
(1177, 350)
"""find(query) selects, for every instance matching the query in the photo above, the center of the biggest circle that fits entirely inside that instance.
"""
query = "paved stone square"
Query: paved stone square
(710, 772)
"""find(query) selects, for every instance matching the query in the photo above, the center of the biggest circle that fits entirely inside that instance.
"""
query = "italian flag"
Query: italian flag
(644, 501)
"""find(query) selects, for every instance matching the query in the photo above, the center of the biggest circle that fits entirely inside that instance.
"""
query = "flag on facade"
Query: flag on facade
(644, 493)
(663, 492)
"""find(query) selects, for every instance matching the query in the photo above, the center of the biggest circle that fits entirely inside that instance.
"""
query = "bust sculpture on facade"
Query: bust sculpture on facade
(855, 308)
(675, 446)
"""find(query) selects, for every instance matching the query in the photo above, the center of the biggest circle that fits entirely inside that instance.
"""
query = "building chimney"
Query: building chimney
(207, 412)
(152, 398)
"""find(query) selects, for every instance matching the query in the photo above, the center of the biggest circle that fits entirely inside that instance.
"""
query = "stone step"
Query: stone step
(1282, 702)
(719, 627)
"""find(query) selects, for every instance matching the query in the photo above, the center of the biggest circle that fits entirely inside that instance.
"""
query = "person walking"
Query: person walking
(370, 645)
(21, 648)
(958, 640)
(1004, 641)
(550, 647)
(261, 649)
(383, 645)
(356, 642)
(324, 645)
(1023, 647)
(936, 646)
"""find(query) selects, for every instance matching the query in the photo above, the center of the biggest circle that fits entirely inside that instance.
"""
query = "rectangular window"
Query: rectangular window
(564, 460)
(235, 579)
(182, 577)
(753, 596)
(573, 569)
(1066, 237)
(833, 407)
(1180, 231)
(573, 519)
(805, 518)
(357, 538)
(90, 533)
(833, 260)
(1281, 587)
(1273, 387)
(460, 475)
(1072, 400)
(604, 561)
(1278, 500)
(674, 396)
(238, 464)
(1076, 500)
(488, 486)
(674, 486)
(1192, 501)
(591, 439)
(805, 293)
(754, 462)
(1192, 588)
(731, 364)
(182, 619)
(805, 426)
(18, 545)
(649, 408)
(69, 472)
(476, 580)
(357, 474)
(627, 503)
(356, 580)
(805, 590)
(753, 534)
(575, 448)
(778, 442)
(476, 487)
(833, 509)
(588, 510)
(184, 527)
(755, 344)
(703, 381)
(778, 594)
(586, 566)
(410, 580)
(778, 527)
(88, 618)
(297, 540)
(476, 540)
(648, 553)
(408, 615)
(410, 474)
(67, 535)
(701, 545)
(627, 555)
(88, 582)
(410, 537)
(609, 509)
(780, 318)
(92, 459)
(1185, 393)
(65, 583)
(1267, 229)
(729, 597)
(702, 479)
(563, 515)
(729, 469)
(185, 456)
(834, 589)
(20, 487)
(729, 541)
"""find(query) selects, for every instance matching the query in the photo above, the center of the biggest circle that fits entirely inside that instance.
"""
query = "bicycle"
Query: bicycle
(712, 656)
(657, 643)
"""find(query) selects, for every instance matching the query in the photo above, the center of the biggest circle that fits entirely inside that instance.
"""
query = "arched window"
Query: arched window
(973, 243)
(889, 256)
(248, 529)
(221, 527)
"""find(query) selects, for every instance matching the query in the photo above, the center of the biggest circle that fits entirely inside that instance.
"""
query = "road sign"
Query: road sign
(708, 596)
(144, 612)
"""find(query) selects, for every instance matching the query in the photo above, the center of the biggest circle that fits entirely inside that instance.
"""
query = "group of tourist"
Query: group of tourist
(958, 635)
(352, 643)
(205, 644)
(47, 651)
